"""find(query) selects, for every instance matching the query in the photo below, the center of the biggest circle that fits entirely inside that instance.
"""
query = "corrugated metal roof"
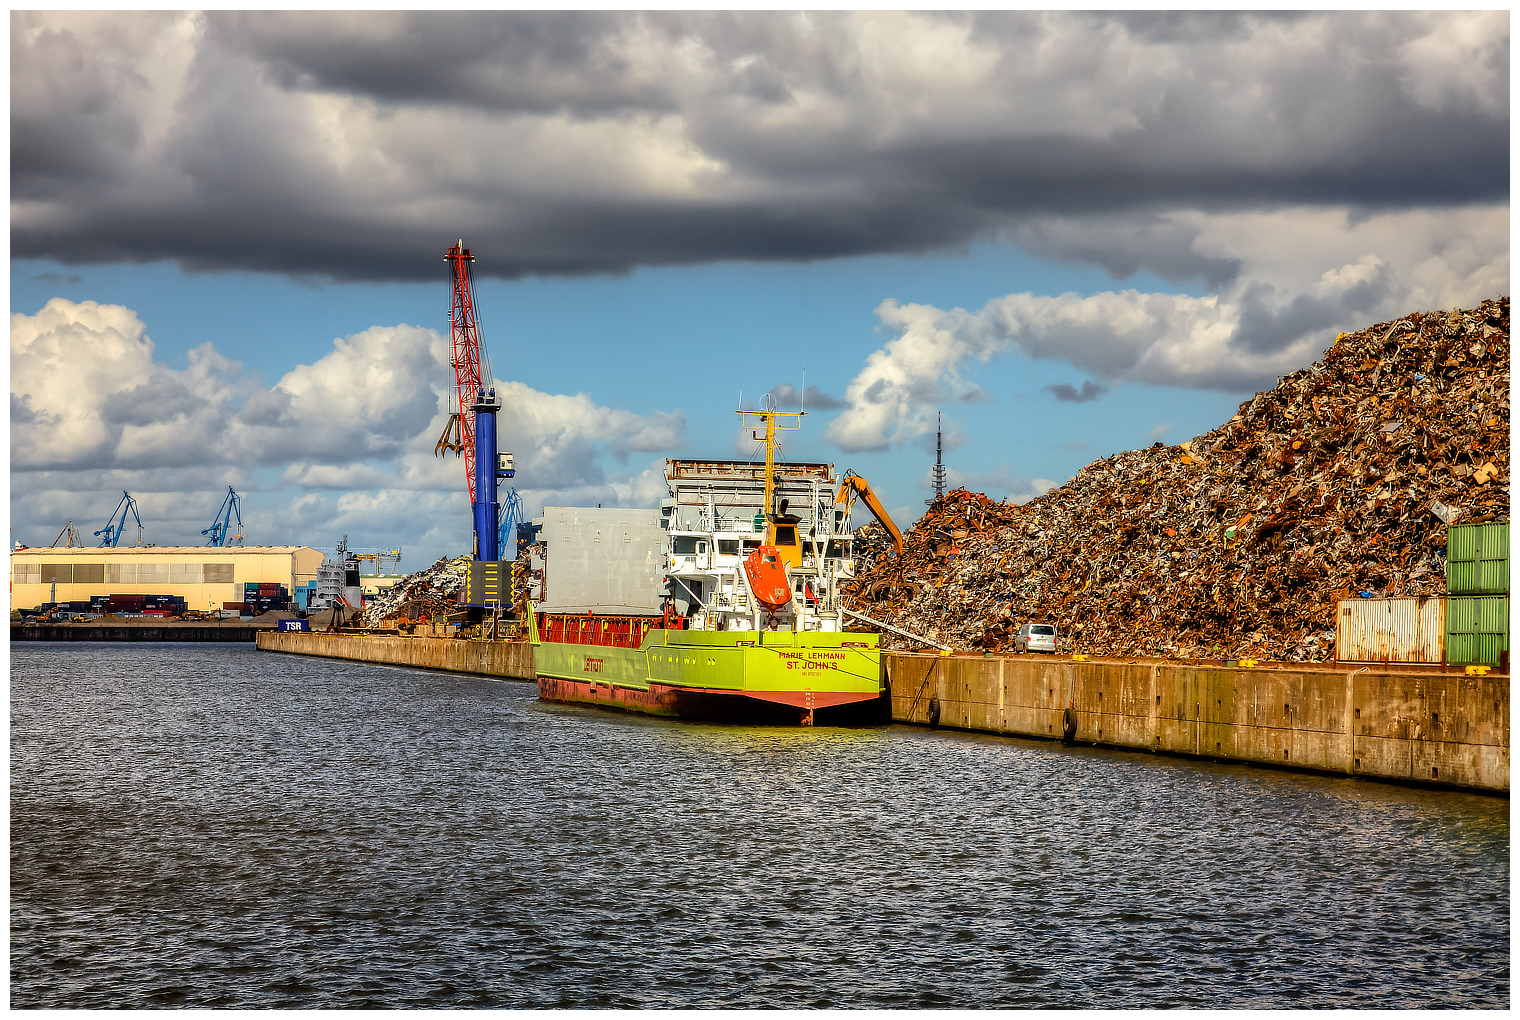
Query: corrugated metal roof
(72, 552)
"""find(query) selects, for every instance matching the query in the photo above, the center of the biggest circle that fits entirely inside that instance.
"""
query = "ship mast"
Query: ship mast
(769, 415)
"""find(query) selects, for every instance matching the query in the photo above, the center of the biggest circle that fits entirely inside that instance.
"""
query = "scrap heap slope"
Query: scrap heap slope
(424, 595)
(1239, 542)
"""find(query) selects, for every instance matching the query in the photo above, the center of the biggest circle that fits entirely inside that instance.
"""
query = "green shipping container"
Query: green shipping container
(1477, 630)
(1477, 559)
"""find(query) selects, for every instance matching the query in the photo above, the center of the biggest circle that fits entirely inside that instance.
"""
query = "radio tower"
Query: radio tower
(939, 458)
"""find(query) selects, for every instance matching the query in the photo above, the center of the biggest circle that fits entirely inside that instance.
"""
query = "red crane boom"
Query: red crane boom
(459, 433)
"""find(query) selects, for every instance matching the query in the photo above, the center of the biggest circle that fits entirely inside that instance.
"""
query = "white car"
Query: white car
(1035, 637)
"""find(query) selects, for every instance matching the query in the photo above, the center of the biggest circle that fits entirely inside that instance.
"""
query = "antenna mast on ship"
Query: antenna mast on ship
(769, 414)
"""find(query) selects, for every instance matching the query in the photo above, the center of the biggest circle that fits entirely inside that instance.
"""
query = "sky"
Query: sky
(1061, 234)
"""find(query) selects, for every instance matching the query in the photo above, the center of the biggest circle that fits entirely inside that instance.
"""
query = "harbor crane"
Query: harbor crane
(70, 533)
(511, 517)
(854, 485)
(471, 431)
(384, 561)
(110, 535)
(221, 525)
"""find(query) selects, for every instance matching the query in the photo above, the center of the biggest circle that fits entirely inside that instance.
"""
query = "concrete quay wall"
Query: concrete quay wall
(1419, 727)
(134, 632)
(1446, 729)
(508, 659)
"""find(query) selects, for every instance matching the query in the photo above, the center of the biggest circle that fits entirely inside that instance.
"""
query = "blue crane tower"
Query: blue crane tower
(221, 525)
(110, 535)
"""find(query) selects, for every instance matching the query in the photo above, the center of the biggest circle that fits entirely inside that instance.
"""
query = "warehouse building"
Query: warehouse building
(205, 577)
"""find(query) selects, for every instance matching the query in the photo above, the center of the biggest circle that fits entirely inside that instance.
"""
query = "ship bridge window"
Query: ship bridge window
(786, 535)
(728, 547)
(750, 547)
(685, 545)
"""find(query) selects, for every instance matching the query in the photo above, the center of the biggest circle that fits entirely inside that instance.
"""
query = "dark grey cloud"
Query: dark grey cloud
(787, 397)
(345, 145)
(1067, 392)
(161, 397)
(1269, 320)
(21, 410)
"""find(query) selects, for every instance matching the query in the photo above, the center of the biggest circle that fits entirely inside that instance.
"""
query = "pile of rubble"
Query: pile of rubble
(424, 595)
(1337, 483)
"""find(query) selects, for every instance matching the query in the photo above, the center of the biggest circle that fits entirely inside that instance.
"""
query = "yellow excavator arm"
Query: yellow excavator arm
(852, 486)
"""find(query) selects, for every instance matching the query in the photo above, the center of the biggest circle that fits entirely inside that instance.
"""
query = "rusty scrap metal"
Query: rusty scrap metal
(1337, 483)
(425, 595)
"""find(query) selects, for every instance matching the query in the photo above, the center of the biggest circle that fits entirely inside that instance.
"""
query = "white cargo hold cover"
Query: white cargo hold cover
(609, 561)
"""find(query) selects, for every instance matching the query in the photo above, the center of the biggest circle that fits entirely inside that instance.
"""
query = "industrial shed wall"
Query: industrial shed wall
(205, 577)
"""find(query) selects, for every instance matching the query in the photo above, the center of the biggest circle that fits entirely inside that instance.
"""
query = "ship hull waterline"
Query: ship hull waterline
(804, 679)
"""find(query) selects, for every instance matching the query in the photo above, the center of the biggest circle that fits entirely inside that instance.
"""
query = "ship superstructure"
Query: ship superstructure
(717, 518)
(750, 625)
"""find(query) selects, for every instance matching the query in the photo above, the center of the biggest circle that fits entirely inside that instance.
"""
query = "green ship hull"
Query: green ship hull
(740, 676)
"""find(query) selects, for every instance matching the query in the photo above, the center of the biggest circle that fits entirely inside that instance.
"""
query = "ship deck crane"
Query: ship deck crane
(471, 430)
(221, 525)
(853, 486)
(113, 529)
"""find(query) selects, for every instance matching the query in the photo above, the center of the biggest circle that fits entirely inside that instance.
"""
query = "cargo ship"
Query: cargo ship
(725, 604)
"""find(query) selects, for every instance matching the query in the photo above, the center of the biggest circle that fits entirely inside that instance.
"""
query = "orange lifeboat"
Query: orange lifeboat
(767, 578)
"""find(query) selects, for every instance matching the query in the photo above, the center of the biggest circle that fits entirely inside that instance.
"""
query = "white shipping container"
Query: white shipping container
(1391, 630)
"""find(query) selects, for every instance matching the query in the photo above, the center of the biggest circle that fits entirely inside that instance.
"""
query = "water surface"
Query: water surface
(216, 826)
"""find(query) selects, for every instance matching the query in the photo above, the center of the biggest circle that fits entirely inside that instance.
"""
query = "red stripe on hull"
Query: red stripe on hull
(790, 708)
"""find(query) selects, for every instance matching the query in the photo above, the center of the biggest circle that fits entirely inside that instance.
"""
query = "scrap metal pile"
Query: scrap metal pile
(1337, 483)
(424, 595)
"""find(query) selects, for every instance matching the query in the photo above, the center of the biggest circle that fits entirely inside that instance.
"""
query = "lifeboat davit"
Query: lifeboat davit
(767, 578)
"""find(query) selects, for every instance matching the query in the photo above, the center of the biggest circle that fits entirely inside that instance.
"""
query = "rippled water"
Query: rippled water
(198, 826)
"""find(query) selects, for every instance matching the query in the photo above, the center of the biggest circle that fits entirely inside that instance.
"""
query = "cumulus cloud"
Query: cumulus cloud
(92, 410)
(345, 144)
(1305, 275)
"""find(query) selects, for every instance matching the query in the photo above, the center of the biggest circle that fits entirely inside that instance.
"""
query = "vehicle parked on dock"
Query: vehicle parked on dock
(1035, 637)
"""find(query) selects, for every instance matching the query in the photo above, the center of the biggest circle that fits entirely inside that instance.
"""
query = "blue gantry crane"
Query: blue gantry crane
(221, 531)
(110, 535)
(511, 517)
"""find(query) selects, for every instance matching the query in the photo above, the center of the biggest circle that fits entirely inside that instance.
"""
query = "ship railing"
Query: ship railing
(730, 600)
(744, 525)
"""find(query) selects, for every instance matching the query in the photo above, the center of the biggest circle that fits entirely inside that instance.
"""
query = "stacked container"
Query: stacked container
(140, 605)
(261, 598)
(1477, 586)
